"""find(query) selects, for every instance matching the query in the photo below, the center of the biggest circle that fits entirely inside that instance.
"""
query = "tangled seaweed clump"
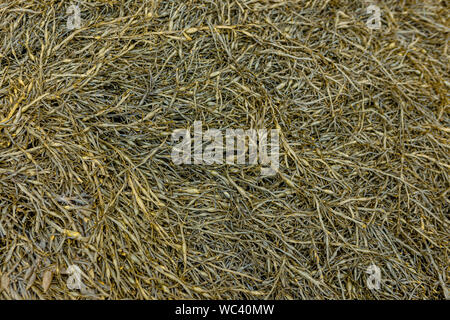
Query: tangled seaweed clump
(87, 179)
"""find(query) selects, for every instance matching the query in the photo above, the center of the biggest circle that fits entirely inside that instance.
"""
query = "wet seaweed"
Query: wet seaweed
(86, 176)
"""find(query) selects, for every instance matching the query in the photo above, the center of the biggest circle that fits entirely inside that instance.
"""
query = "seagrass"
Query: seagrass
(87, 179)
